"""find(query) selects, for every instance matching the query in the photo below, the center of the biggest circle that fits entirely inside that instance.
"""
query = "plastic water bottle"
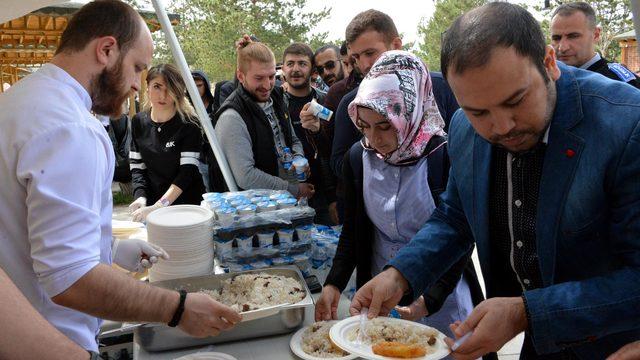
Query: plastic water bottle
(301, 164)
(287, 158)
(320, 111)
(318, 255)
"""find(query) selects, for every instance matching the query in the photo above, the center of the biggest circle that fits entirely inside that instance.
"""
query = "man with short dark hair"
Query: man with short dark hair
(368, 35)
(328, 64)
(297, 66)
(345, 58)
(344, 86)
(545, 162)
(57, 164)
(574, 34)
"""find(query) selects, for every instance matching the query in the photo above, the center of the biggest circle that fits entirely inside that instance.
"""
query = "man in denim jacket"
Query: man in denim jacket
(545, 179)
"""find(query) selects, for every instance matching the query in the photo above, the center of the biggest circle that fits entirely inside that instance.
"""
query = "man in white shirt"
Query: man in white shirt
(28, 335)
(56, 162)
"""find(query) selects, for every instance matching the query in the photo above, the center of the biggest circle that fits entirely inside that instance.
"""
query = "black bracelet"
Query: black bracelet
(175, 320)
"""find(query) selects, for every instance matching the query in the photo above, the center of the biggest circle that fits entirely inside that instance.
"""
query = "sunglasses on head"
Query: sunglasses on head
(329, 65)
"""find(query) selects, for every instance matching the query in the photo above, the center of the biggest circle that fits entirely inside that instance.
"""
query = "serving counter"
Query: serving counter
(264, 348)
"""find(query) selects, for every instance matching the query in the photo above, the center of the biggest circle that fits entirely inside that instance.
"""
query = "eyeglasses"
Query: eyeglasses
(329, 65)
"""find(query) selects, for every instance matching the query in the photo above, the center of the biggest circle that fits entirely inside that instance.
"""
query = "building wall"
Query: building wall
(629, 55)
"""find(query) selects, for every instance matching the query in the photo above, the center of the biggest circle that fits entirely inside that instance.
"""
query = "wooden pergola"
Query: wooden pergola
(28, 42)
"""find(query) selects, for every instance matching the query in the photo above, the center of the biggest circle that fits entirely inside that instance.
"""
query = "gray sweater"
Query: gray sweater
(235, 142)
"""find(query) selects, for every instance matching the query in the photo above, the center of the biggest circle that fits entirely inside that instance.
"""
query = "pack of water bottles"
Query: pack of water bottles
(268, 247)
(323, 249)
(254, 208)
(256, 229)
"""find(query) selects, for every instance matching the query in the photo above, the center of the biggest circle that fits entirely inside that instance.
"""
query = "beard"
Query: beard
(107, 94)
(259, 94)
(303, 85)
(329, 79)
(531, 133)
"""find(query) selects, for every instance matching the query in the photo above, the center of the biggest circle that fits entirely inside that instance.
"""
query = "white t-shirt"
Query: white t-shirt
(56, 166)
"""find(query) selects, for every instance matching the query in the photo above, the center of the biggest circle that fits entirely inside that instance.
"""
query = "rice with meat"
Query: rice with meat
(380, 329)
(316, 341)
(247, 292)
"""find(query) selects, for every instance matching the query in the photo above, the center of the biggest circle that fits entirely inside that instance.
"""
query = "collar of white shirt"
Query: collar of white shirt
(59, 74)
(593, 60)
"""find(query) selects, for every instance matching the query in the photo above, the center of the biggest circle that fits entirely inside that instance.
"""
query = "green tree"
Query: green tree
(613, 16)
(208, 29)
(430, 30)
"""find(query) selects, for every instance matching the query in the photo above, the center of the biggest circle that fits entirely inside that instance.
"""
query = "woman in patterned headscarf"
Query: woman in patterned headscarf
(392, 181)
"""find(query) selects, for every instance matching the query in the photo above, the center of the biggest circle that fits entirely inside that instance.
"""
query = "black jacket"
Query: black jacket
(119, 131)
(207, 92)
(317, 148)
(259, 128)
(165, 154)
(356, 239)
(621, 73)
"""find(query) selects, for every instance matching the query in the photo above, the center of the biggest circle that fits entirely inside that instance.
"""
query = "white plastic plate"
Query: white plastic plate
(339, 334)
(296, 346)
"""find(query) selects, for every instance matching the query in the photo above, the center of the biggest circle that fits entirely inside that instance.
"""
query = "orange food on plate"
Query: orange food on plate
(398, 349)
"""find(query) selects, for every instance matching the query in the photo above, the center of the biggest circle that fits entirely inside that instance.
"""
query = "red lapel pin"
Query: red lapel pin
(570, 153)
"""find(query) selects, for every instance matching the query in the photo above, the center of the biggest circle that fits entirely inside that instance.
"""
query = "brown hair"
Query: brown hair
(371, 20)
(249, 50)
(101, 18)
(299, 49)
(176, 88)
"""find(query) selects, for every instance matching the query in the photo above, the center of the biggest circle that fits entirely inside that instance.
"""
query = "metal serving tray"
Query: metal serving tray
(159, 337)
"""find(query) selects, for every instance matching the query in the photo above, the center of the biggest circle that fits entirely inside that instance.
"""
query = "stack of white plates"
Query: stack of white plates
(185, 232)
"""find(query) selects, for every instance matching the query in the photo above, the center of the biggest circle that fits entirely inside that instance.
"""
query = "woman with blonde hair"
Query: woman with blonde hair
(165, 146)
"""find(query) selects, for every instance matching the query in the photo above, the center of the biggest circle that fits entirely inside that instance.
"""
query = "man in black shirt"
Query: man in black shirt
(297, 66)
(574, 33)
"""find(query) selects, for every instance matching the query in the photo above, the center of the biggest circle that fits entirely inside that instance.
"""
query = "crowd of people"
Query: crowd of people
(518, 148)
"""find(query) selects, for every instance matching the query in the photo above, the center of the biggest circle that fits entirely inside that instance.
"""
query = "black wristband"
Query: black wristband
(175, 320)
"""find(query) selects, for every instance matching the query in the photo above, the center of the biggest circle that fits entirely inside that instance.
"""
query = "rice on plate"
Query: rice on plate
(316, 341)
(380, 330)
(248, 292)
(397, 340)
